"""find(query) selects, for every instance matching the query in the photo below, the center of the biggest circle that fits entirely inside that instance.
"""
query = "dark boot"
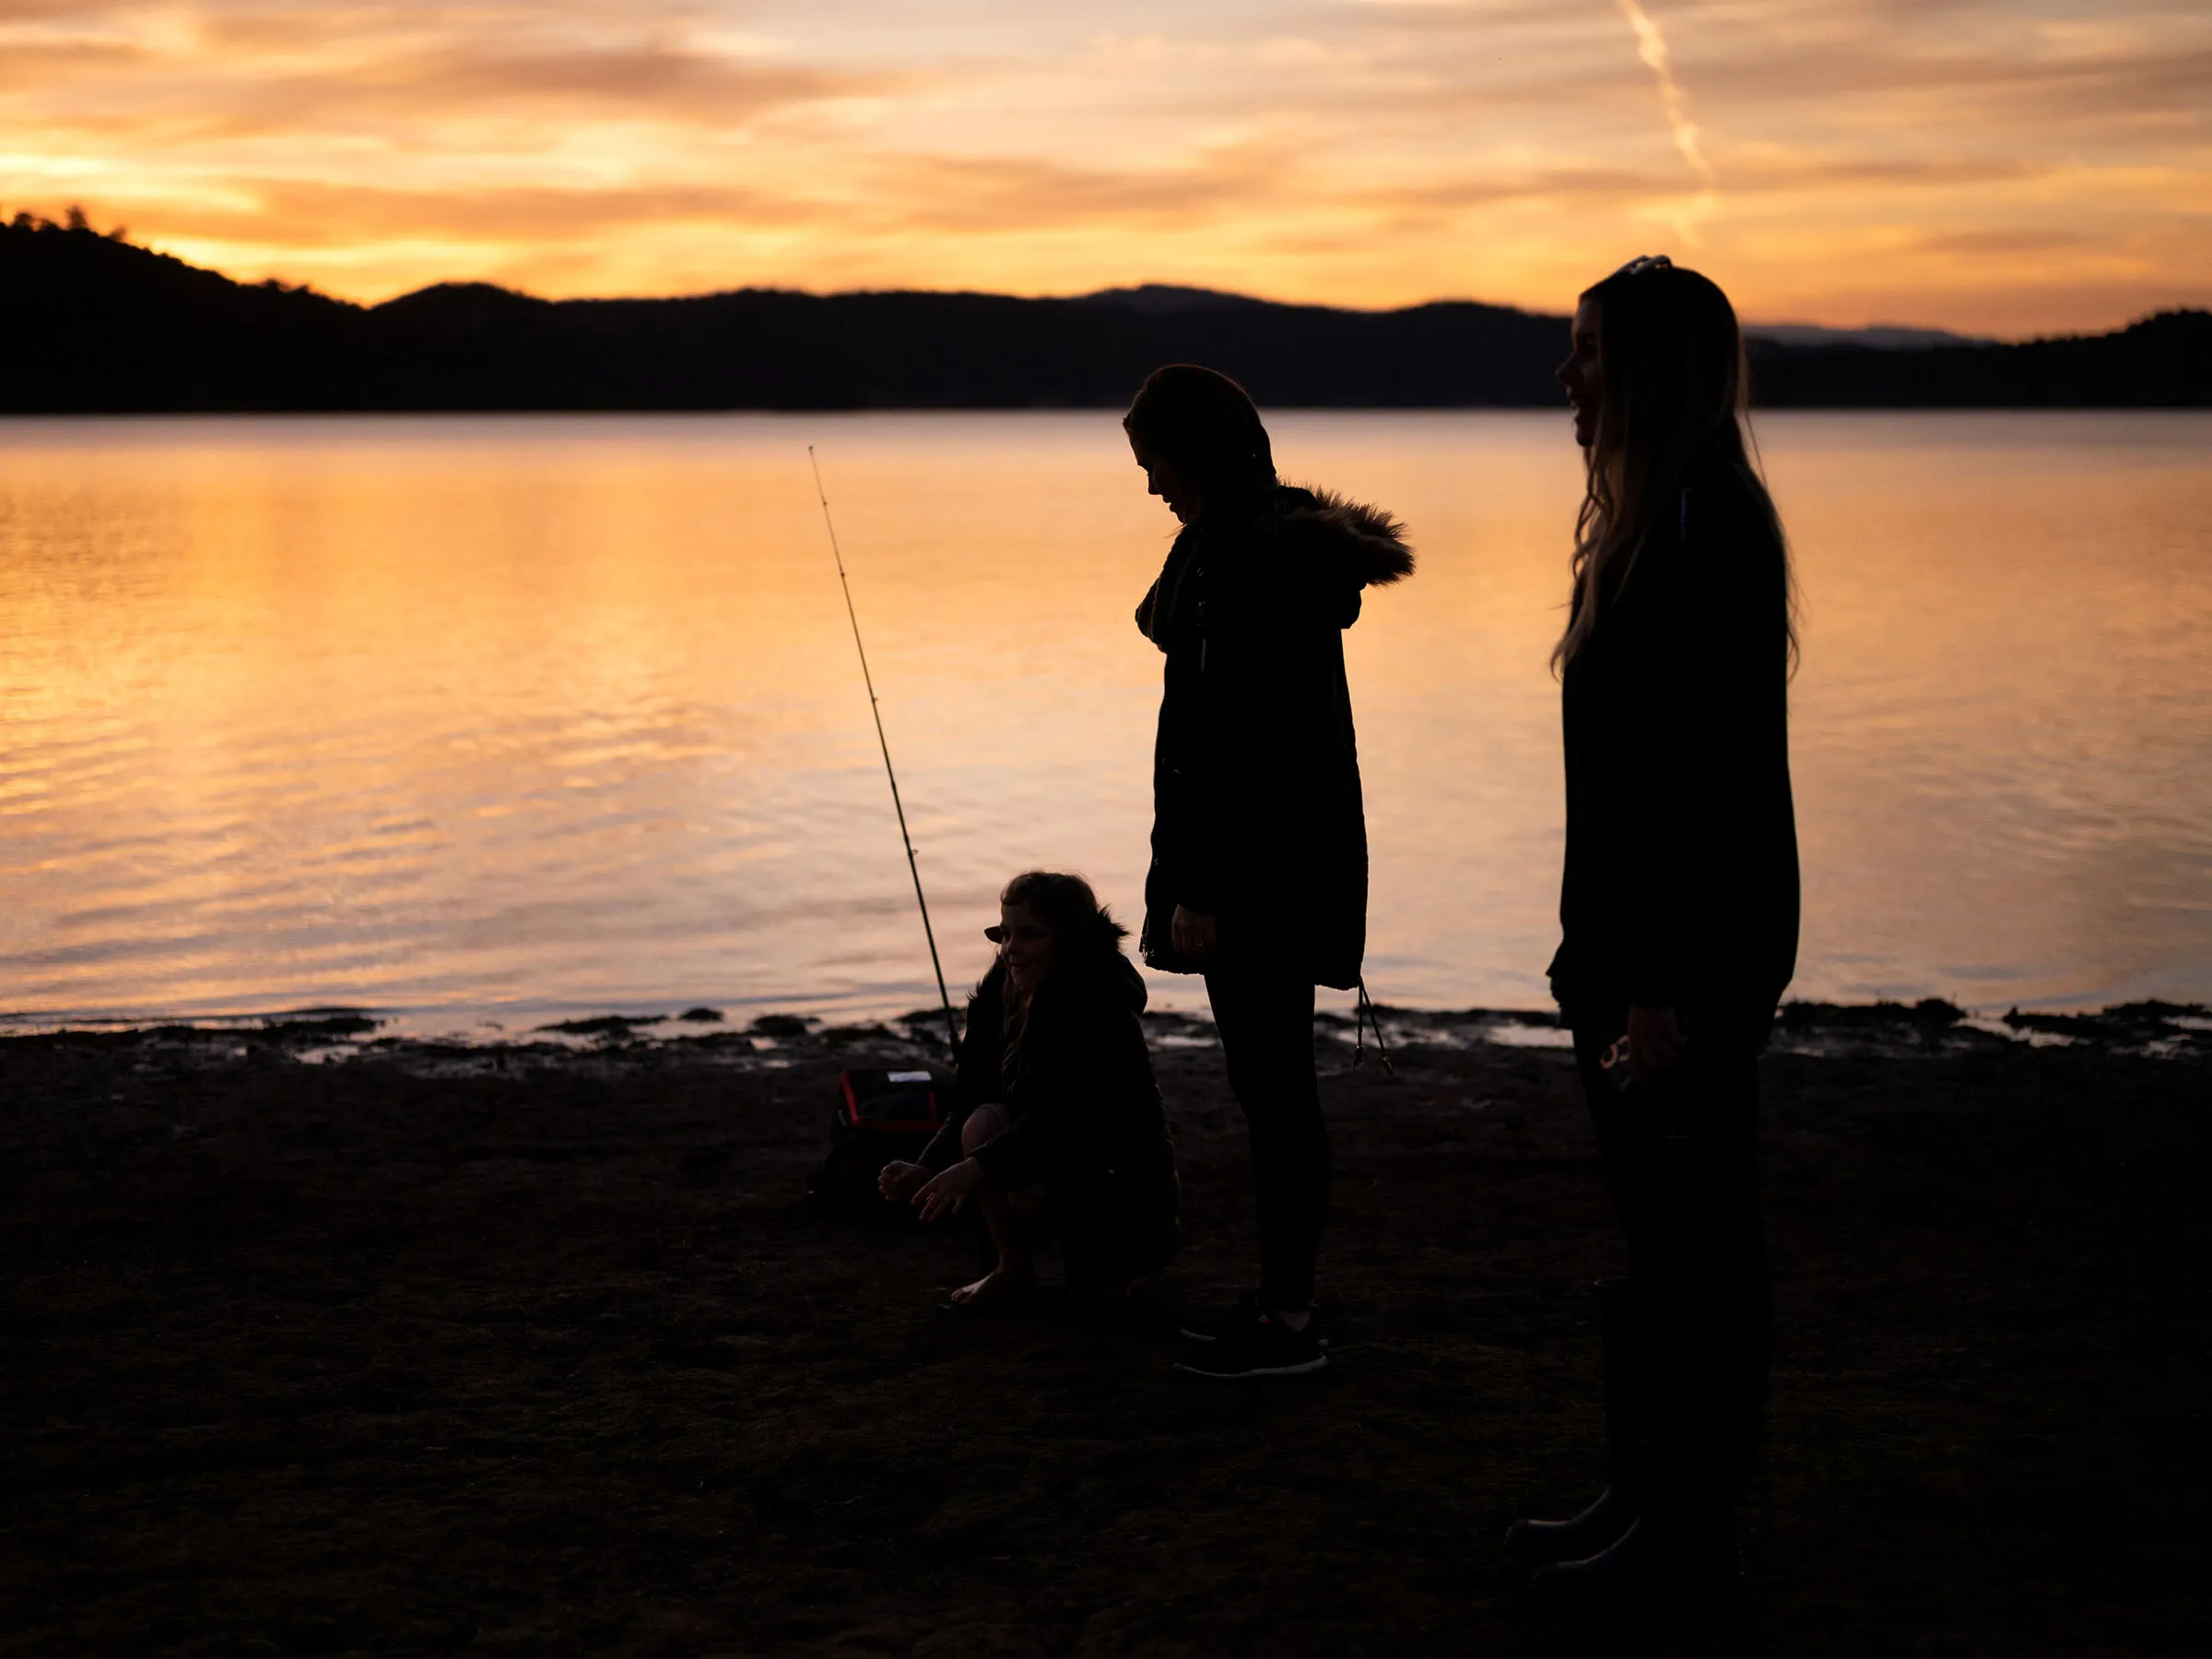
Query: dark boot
(1533, 1542)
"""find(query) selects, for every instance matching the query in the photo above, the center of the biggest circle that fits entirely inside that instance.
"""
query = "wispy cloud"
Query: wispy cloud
(1651, 46)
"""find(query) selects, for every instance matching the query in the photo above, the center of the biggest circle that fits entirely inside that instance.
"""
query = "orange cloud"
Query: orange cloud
(1952, 161)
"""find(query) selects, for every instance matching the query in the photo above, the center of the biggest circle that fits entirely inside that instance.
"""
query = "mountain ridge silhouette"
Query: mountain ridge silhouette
(94, 324)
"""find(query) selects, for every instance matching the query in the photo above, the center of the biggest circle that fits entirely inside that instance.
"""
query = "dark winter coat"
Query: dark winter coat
(1087, 1122)
(1681, 873)
(1256, 812)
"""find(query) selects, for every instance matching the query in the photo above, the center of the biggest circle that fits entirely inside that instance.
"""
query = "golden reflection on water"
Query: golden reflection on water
(511, 718)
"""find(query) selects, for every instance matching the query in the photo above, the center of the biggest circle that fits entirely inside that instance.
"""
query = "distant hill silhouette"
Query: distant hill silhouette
(1890, 337)
(93, 323)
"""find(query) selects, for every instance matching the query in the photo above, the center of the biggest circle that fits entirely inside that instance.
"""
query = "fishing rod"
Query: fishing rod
(912, 863)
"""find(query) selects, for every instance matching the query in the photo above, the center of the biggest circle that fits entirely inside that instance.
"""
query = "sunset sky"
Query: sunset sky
(1998, 166)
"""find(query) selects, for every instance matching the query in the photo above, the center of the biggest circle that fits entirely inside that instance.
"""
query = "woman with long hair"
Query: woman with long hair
(1258, 877)
(1678, 914)
(1059, 1127)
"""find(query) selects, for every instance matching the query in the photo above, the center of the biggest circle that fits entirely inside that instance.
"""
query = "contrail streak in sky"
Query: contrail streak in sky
(1651, 46)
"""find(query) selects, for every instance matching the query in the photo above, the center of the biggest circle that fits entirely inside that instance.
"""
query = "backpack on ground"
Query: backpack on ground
(880, 1117)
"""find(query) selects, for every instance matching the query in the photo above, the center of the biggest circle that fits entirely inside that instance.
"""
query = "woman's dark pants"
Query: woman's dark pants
(1682, 1158)
(1265, 1019)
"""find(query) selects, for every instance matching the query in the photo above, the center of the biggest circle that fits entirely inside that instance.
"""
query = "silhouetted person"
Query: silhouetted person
(1058, 1125)
(1259, 840)
(1679, 916)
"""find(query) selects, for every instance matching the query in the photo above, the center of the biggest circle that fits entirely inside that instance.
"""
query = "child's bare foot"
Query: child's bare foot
(999, 1285)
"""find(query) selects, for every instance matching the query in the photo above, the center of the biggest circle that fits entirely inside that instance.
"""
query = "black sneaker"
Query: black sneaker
(1264, 1348)
(1236, 1319)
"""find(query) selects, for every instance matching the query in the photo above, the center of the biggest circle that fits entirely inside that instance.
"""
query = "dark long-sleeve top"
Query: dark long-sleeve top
(1681, 884)
(1257, 814)
(1078, 1088)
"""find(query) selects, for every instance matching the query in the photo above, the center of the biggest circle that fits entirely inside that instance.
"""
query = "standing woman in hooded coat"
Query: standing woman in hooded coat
(1259, 838)
(1678, 912)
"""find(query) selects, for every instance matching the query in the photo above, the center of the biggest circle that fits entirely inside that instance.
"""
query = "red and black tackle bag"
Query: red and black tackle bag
(880, 1117)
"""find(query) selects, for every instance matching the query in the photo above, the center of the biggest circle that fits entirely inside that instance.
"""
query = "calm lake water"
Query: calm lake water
(487, 722)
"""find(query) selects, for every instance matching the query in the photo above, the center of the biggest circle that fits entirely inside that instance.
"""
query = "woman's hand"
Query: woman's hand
(946, 1194)
(1196, 937)
(1655, 1040)
(899, 1182)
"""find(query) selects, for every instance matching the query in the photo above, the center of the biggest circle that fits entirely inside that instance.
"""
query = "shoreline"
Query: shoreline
(2151, 1028)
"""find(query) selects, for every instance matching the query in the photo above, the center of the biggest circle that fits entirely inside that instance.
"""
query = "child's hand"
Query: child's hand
(899, 1182)
(946, 1194)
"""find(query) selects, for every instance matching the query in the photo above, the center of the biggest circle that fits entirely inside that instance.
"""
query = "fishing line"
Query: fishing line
(912, 863)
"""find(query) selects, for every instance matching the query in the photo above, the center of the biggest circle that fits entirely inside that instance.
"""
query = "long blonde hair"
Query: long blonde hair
(1674, 391)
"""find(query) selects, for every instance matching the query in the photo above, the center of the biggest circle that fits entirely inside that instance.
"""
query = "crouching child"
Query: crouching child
(1058, 1128)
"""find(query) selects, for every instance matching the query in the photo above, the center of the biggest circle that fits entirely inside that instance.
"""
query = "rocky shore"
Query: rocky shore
(311, 1342)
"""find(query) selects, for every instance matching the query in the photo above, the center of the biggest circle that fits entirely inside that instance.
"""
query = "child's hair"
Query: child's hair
(1066, 905)
(1204, 421)
(1080, 927)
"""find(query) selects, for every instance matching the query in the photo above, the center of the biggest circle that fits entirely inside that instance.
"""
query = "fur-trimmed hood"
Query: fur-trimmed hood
(1312, 547)
(1368, 543)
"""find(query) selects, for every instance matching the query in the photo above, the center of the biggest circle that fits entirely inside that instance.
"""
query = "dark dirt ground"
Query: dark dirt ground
(531, 1354)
